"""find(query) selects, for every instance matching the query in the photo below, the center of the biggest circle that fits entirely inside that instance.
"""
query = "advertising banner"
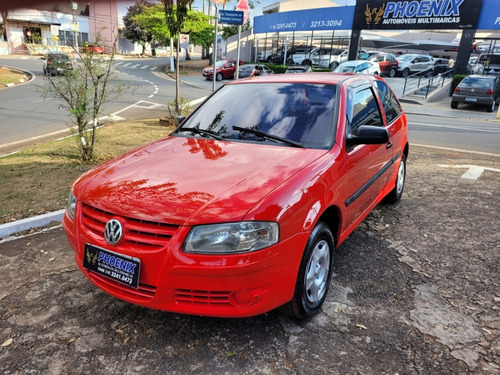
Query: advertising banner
(416, 14)
(489, 19)
(334, 18)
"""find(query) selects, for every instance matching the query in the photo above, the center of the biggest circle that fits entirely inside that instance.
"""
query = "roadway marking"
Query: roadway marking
(127, 64)
(473, 171)
(154, 68)
(144, 66)
(455, 127)
(135, 66)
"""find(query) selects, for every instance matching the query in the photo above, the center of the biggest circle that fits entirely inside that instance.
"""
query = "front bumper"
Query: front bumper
(212, 285)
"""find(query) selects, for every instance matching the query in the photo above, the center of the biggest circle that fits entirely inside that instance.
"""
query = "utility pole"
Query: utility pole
(75, 28)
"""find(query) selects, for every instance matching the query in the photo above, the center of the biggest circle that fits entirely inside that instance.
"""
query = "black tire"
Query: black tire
(334, 65)
(218, 77)
(307, 62)
(315, 274)
(491, 107)
(405, 73)
(397, 192)
(392, 72)
(454, 104)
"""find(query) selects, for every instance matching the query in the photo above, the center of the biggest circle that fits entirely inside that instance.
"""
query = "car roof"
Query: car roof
(313, 78)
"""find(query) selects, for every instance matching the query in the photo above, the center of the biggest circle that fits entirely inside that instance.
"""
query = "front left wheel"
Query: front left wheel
(315, 274)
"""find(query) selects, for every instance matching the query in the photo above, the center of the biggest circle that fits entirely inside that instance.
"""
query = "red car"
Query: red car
(239, 210)
(386, 61)
(223, 68)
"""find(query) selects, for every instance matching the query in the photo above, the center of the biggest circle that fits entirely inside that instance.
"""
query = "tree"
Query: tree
(175, 16)
(3, 27)
(82, 91)
(229, 31)
(133, 30)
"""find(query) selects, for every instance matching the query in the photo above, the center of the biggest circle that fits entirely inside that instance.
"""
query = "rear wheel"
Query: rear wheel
(454, 104)
(392, 72)
(396, 193)
(334, 65)
(491, 108)
(315, 274)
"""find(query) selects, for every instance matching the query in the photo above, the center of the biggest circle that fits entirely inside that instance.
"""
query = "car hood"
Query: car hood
(191, 181)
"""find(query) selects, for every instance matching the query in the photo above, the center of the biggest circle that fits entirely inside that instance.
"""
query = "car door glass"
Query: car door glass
(362, 108)
(392, 108)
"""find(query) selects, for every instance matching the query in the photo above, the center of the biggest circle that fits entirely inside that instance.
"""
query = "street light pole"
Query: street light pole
(214, 53)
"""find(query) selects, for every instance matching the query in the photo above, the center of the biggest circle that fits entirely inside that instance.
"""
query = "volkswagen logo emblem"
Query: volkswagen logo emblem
(113, 231)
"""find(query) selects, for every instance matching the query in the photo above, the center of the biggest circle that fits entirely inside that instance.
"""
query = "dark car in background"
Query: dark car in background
(56, 64)
(253, 70)
(442, 66)
(477, 90)
(223, 69)
(387, 62)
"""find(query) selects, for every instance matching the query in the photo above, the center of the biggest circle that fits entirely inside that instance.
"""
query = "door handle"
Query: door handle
(388, 145)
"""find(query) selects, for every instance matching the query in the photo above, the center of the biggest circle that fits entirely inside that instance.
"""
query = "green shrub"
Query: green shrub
(457, 78)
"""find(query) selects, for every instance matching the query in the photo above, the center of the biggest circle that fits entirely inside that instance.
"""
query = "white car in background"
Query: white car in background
(358, 67)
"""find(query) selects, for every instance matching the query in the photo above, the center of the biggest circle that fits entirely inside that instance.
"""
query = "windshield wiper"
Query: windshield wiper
(268, 136)
(201, 131)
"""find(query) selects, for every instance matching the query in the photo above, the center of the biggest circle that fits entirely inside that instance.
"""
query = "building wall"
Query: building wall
(103, 22)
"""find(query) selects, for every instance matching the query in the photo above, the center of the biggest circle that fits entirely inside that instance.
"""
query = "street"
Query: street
(24, 114)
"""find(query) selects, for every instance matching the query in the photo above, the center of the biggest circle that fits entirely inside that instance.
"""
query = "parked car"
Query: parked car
(56, 64)
(92, 48)
(413, 63)
(487, 63)
(301, 55)
(253, 70)
(330, 59)
(442, 66)
(223, 68)
(387, 62)
(477, 90)
(358, 67)
(299, 69)
(239, 210)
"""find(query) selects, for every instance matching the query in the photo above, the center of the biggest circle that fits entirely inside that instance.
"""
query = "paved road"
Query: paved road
(24, 114)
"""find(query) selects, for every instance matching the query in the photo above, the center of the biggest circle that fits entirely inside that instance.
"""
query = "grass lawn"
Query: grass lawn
(8, 75)
(37, 180)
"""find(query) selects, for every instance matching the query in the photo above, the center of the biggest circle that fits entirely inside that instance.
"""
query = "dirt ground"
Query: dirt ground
(416, 290)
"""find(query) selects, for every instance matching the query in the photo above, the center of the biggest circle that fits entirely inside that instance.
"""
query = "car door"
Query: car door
(229, 69)
(368, 165)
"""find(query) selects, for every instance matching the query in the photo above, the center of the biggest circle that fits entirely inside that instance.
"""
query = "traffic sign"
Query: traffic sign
(185, 41)
(231, 17)
(243, 7)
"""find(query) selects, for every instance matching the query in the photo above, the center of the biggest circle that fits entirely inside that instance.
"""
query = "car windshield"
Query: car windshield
(297, 112)
(406, 58)
(478, 82)
(345, 69)
(220, 63)
(59, 57)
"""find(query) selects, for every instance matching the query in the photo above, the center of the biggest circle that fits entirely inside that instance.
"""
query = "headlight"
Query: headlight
(71, 205)
(231, 238)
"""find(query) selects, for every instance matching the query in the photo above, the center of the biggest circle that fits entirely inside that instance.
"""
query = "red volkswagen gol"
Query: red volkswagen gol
(239, 210)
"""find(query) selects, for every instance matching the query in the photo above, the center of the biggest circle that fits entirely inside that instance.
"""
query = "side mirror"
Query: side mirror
(368, 135)
(179, 120)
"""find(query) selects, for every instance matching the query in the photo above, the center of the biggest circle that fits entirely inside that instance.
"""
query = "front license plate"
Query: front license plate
(119, 267)
(471, 99)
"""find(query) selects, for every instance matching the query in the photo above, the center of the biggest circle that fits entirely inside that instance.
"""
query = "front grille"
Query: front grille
(139, 233)
(143, 293)
(202, 297)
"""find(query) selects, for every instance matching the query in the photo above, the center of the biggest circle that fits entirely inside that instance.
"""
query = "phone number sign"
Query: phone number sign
(334, 18)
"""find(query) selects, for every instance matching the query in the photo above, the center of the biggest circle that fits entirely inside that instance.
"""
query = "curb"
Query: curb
(18, 226)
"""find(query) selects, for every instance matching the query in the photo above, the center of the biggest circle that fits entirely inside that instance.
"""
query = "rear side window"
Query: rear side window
(362, 108)
(391, 105)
